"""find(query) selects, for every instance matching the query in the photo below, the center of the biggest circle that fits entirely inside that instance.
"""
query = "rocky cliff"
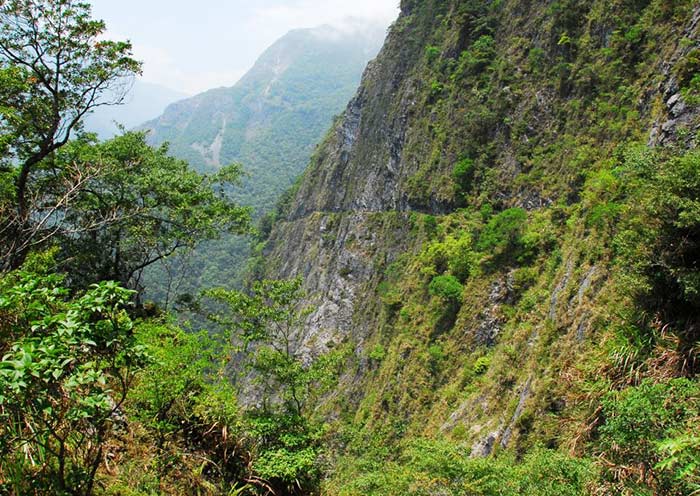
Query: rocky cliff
(472, 225)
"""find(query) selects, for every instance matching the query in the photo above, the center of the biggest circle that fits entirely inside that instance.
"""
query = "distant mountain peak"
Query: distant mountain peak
(273, 116)
(144, 101)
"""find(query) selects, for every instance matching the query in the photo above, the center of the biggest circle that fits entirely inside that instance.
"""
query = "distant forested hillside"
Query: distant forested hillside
(270, 122)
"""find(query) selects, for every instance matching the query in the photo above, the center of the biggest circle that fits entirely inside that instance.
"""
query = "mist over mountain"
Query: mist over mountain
(143, 101)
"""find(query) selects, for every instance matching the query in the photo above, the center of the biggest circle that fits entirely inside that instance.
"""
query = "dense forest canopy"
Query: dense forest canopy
(485, 283)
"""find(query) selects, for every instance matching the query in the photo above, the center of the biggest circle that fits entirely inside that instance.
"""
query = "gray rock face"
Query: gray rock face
(341, 257)
(362, 167)
(350, 218)
(484, 447)
(679, 123)
(524, 395)
(490, 321)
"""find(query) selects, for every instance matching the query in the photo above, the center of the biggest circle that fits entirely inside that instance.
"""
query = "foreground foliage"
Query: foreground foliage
(68, 363)
(56, 67)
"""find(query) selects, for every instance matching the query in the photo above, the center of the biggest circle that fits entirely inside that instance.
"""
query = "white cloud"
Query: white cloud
(161, 67)
(195, 47)
(311, 13)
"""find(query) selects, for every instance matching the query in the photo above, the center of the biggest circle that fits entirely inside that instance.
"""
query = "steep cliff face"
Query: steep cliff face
(489, 149)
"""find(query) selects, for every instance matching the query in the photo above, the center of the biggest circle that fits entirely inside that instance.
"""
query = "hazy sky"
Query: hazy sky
(194, 45)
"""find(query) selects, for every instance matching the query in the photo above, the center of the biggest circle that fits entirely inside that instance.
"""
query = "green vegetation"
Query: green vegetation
(548, 283)
(652, 429)
(68, 365)
(426, 466)
(446, 287)
(137, 205)
(463, 174)
(503, 232)
(83, 381)
(528, 326)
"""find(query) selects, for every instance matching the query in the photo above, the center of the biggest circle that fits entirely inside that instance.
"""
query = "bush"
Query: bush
(432, 53)
(436, 91)
(477, 57)
(536, 59)
(378, 353)
(430, 225)
(659, 236)
(461, 258)
(447, 287)
(503, 231)
(463, 174)
(439, 467)
(68, 362)
(645, 425)
(481, 365)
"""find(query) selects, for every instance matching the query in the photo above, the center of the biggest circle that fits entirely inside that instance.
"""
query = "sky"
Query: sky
(194, 45)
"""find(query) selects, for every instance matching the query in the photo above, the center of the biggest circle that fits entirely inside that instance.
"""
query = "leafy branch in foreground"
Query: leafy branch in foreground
(67, 366)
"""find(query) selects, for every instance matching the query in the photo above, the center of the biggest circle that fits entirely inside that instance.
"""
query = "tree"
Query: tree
(67, 366)
(264, 323)
(286, 436)
(135, 206)
(60, 68)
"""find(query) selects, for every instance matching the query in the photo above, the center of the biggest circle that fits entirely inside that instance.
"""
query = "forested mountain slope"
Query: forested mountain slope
(274, 116)
(270, 122)
(504, 227)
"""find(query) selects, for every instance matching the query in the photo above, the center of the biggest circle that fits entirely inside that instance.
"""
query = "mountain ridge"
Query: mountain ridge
(143, 101)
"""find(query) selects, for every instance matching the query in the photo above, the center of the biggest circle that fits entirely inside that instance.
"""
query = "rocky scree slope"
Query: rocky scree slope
(486, 222)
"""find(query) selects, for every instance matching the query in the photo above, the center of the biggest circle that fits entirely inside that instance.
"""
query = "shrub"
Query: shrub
(67, 365)
(430, 225)
(463, 174)
(691, 93)
(440, 467)
(536, 59)
(642, 426)
(481, 365)
(378, 353)
(478, 56)
(436, 90)
(459, 255)
(688, 68)
(446, 287)
(659, 235)
(503, 231)
(432, 53)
